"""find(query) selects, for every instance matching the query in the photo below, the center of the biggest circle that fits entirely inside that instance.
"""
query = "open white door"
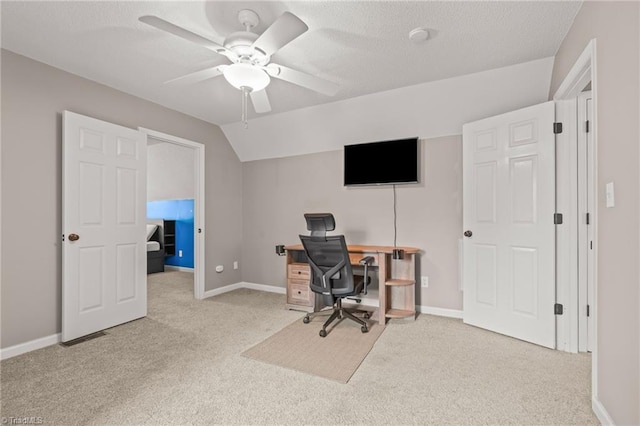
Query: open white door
(509, 203)
(103, 210)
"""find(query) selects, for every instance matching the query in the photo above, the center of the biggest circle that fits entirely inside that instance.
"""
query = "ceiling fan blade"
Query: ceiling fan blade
(286, 28)
(302, 79)
(260, 101)
(163, 25)
(198, 76)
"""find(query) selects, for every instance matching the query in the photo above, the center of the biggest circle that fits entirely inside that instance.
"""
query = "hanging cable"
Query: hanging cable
(395, 226)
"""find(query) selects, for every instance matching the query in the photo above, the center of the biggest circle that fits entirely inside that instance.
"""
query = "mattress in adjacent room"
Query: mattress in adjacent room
(153, 246)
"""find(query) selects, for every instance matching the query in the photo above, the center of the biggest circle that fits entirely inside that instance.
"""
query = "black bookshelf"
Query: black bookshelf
(169, 237)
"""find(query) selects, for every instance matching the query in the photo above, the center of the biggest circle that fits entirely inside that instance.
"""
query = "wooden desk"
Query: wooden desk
(396, 280)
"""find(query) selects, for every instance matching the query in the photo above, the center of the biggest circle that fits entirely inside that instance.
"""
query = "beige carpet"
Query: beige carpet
(299, 347)
(183, 365)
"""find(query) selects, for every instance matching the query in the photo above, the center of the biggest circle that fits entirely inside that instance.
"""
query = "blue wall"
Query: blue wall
(182, 212)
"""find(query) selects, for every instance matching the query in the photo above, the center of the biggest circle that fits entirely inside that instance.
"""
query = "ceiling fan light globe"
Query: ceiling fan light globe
(245, 75)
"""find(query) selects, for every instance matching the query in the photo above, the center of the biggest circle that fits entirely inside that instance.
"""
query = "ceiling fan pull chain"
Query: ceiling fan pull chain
(245, 94)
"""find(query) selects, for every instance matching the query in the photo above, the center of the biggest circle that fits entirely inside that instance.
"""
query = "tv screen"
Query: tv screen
(381, 163)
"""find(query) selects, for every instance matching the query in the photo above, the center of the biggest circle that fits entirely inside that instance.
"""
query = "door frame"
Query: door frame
(583, 72)
(199, 213)
(586, 194)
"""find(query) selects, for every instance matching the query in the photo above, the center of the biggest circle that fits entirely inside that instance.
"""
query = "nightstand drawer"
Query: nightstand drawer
(298, 271)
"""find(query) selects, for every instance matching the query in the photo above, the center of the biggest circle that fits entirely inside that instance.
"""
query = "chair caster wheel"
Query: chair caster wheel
(323, 333)
(306, 319)
(366, 315)
(364, 329)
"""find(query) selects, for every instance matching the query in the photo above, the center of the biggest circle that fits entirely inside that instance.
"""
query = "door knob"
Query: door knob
(74, 237)
(468, 234)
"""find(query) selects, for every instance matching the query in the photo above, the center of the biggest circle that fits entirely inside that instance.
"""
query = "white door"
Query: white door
(103, 209)
(509, 244)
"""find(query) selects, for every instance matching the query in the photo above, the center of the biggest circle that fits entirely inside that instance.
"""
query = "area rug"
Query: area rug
(299, 347)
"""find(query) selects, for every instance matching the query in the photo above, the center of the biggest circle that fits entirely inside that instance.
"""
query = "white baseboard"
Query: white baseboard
(221, 290)
(177, 268)
(441, 312)
(242, 284)
(33, 345)
(264, 287)
(601, 412)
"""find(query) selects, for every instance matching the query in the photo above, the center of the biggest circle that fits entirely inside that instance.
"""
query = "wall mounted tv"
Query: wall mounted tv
(381, 163)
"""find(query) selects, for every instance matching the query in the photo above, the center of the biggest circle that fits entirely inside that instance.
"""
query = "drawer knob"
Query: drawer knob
(299, 292)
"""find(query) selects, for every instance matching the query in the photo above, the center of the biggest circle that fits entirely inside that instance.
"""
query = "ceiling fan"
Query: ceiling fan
(250, 54)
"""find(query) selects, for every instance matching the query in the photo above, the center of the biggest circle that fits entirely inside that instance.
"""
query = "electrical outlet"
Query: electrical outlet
(425, 282)
(179, 253)
(235, 264)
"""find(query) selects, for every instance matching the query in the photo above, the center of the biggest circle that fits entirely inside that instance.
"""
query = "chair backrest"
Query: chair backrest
(320, 223)
(331, 270)
(328, 257)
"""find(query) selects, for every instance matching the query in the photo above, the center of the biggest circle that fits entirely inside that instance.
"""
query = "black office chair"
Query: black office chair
(331, 272)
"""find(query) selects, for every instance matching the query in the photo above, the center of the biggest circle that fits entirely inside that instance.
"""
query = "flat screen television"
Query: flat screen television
(381, 163)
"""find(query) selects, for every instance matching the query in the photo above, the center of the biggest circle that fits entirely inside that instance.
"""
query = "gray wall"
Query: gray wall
(277, 192)
(615, 26)
(33, 98)
(170, 172)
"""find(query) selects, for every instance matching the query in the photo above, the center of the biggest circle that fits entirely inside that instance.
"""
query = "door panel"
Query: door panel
(524, 267)
(92, 290)
(126, 260)
(509, 199)
(486, 276)
(523, 195)
(104, 204)
(485, 200)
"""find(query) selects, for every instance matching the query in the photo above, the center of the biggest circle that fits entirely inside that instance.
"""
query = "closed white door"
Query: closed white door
(509, 231)
(103, 210)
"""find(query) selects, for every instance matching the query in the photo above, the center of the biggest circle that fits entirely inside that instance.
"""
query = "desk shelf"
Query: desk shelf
(399, 313)
(400, 282)
(398, 298)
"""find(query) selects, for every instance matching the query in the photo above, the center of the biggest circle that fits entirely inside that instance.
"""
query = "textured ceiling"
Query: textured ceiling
(361, 45)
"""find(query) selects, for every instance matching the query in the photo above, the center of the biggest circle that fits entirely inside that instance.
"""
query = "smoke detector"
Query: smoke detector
(418, 35)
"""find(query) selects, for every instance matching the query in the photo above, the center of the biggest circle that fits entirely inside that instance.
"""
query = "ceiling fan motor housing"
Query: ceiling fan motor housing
(241, 43)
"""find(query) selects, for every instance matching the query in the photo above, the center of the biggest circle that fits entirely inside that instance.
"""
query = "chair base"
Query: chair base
(338, 312)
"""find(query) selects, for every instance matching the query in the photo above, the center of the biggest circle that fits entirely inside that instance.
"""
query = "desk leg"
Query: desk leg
(382, 289)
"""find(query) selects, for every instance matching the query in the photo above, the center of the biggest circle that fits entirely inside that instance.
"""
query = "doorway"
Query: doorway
(192, 174)
(575, 215)
(577, 200)
(581, 76)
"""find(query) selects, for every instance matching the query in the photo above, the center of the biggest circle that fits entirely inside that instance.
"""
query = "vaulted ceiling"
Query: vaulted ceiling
(363, 46)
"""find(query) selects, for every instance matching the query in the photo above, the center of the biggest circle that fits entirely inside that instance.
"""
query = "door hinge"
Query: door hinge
(588, 311)
(557, 218)
(63, 237)
(557, 128)
(586, 126)
(588, 218)
(557, 309)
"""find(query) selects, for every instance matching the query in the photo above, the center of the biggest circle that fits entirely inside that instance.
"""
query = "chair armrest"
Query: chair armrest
(366, 261)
